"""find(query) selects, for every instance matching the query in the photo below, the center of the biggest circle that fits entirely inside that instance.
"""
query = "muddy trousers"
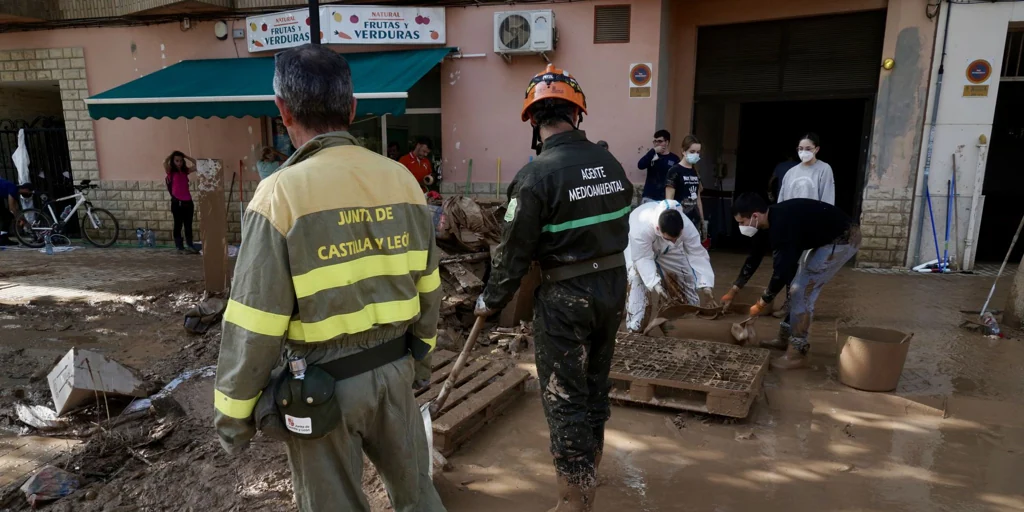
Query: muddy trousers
(575, 322)
(820, 266)
(380, 418)
(182, 211)
(672, 266)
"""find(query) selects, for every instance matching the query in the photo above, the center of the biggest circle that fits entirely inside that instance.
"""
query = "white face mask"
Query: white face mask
(749, 230)
(805, 156)
(693, 158)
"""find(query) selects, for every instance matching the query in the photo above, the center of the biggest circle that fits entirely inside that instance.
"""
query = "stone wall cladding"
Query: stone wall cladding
(147, 205)
(67, 67)
(885, 225)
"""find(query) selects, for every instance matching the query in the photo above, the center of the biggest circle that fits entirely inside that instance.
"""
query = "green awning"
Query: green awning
(243, 87)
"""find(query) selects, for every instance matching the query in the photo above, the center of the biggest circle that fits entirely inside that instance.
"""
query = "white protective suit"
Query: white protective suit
(650, 259)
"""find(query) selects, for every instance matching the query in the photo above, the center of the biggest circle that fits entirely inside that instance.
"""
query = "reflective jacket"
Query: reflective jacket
(337, 252)
(646, 246)
(569, 205)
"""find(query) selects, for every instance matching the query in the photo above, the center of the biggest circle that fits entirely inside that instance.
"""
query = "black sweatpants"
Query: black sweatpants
(183, 212)
(575, 325)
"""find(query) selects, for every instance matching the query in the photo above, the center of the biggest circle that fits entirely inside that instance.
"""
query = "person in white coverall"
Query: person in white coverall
(664, 244)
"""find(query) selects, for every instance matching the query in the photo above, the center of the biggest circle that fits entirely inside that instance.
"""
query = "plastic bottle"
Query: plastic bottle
(65, 213)
(150, 238)
(991, 326)
(139, 234)
(49, 244)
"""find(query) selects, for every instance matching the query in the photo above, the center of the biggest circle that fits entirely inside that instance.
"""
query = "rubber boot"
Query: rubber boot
(781, 342)
(572, 498)
(793, 359)
(180, 244)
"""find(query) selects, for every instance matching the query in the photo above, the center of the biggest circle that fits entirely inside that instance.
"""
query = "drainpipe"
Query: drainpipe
(979, 182)
(931, 132)
(314, 21)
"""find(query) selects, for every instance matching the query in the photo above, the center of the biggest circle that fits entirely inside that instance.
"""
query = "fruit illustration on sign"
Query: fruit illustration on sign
(337, 17)
(419, 19)
(434, 35)
(321, 35)
(264, 27)
(307, 22)
(354, 19)
(342, 34)
(257, 43)
(426, 20)
(252, 26)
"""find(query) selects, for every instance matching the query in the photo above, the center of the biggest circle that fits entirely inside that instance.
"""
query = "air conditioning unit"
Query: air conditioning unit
(524, 32)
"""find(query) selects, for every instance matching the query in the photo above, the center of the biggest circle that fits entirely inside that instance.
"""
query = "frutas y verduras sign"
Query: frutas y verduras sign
(348, 25)
(387, 25)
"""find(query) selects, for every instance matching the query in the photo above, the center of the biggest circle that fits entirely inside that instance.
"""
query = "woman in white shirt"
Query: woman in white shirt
(811, 178)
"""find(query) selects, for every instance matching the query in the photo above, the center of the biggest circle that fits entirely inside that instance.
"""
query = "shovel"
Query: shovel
(431, 409)
(743, 331)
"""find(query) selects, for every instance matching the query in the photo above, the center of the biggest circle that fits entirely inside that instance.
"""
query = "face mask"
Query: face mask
(692, 158)
(749, 230)
(805, 156)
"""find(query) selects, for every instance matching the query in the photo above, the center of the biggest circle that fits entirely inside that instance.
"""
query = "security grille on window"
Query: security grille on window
(611, 23)
(1013, 57)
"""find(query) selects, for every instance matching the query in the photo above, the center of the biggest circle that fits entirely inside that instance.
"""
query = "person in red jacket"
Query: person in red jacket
(417, 162)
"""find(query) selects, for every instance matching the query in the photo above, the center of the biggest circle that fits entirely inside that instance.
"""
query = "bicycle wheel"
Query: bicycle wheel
(30, 226)
(100, 227)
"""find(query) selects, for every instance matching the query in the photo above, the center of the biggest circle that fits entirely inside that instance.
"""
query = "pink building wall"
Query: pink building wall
(482, 98)
(134, 149)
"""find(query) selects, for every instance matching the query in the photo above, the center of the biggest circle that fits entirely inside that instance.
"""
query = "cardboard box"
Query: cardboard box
(81, 376)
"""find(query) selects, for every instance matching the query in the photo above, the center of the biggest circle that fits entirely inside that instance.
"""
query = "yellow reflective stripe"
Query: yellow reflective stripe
(358, 321)
(349, 272)
(429, 282)
(254, 320)
(430, 341)
(238, 409)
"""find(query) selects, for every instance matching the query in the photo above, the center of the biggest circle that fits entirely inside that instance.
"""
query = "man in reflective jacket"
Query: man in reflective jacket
(567, 209)
(333, 267)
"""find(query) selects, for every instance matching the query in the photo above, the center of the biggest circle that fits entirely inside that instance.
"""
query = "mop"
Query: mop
(934, 265)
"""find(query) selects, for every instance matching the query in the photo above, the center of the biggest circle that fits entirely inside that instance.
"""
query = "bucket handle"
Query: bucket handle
(907, 338)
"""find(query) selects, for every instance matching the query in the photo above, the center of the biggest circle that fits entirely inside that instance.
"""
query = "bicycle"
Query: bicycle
(32, 224)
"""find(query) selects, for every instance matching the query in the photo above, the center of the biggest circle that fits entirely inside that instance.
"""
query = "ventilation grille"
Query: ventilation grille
(611, 23)
(514, 32)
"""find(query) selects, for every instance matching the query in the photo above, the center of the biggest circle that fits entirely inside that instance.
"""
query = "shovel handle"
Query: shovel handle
(442, 396)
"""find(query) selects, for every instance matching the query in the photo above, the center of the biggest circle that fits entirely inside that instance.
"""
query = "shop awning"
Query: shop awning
(243, 87)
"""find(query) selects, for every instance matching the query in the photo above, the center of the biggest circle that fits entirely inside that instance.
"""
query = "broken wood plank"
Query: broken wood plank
(464, 388)
(478, 410)
(465, 258)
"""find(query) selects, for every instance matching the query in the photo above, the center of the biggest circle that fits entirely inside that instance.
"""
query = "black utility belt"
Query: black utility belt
(555, 274)
(299, 401)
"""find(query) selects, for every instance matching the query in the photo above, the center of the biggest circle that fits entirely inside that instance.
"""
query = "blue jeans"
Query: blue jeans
(822, 265)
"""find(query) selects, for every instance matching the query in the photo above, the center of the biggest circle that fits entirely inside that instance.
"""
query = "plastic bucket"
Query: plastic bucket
(871, 358)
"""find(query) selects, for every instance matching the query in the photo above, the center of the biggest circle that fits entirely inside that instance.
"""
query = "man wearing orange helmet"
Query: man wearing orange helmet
(569, 210)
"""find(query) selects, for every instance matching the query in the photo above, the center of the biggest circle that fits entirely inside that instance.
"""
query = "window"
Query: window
(1013, 57)
(611, 23)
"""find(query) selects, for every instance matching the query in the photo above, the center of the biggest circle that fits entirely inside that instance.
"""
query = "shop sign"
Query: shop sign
(975, 91)
(979, 71)
(641, 76)
(386, 25)
(281, 30)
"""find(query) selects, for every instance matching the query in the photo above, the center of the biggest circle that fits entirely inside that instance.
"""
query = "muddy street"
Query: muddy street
(949, 439)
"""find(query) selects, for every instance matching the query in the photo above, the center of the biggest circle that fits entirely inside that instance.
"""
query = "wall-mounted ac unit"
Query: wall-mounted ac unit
(524, 32)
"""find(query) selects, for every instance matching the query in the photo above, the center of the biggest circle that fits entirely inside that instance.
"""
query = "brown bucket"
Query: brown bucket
(871, 358)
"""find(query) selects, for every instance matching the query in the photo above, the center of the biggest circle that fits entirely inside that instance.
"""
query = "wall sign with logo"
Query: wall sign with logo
(641, 75)
(348, 25)
(387, 25)
(978, 72)
(282, 30)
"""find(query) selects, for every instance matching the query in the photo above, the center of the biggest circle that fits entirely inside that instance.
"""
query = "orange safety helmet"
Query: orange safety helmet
(554, 84)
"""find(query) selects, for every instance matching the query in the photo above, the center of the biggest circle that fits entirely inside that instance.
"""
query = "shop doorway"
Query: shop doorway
(1004, 177)
(760, 86)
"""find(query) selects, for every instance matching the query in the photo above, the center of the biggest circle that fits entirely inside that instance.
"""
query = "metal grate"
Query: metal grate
(611, 23)
(1013, 56)
(702, 363)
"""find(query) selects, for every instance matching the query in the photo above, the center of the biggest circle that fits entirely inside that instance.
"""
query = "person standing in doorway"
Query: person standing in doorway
(178, 166)
(811, 178)
(683, 184)
(270, 161)
(568, 209)
(417, 161)
(9, 207)
(657, 161)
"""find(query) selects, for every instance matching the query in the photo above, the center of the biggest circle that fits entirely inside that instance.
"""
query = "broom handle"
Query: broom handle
(1003, 266)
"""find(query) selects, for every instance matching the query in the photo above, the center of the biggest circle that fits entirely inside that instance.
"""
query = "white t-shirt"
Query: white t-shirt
(813, 181)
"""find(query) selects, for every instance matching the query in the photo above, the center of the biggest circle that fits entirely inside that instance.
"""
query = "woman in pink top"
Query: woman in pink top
(177, 167)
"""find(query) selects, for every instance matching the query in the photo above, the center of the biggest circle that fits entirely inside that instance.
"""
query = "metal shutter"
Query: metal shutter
(822, 55)
(611, 23)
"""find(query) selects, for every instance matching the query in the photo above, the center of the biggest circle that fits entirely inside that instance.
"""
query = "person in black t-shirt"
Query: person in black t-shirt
(683, 184)
(793, 227)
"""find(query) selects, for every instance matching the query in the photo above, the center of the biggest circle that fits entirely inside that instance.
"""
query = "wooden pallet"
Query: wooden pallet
(483, 390)
(691, 375)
